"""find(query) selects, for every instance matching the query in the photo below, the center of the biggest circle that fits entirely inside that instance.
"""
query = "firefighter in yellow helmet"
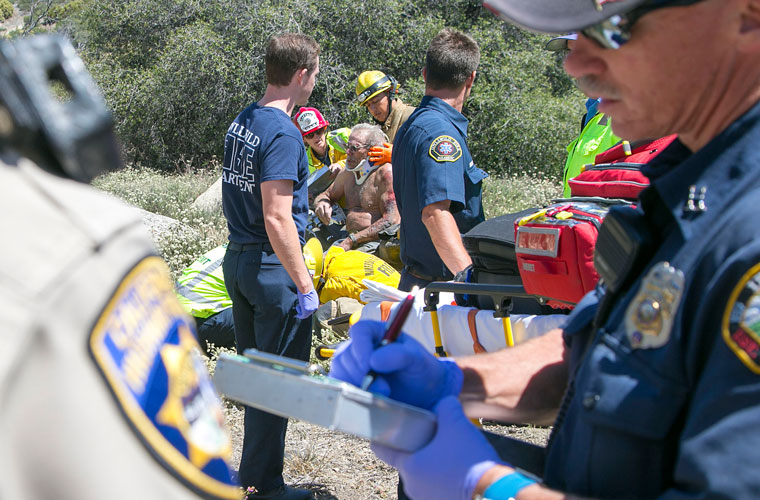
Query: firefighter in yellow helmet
(378, 92)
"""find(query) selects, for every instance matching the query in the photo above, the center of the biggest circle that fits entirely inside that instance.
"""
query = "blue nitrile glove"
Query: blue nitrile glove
(450, 465)
(307, 304)
(406, 371)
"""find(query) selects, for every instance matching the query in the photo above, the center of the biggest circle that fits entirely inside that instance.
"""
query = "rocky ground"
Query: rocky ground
(337, 466)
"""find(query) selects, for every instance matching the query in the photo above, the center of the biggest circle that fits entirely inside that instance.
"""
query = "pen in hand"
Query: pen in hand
(392, 332)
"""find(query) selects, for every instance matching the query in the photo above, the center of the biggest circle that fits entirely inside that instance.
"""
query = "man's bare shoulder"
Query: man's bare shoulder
(384, 175)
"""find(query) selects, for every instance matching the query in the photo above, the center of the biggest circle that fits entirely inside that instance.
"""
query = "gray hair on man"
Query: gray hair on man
(372, 134)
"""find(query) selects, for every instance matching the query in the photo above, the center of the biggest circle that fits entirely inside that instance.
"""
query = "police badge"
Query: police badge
(649, 317)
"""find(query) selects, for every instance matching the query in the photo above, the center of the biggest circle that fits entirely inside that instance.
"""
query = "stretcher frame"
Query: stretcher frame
(502, 296)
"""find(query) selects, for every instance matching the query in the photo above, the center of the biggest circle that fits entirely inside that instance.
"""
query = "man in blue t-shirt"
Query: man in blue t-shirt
(438, 187)
(265, 201)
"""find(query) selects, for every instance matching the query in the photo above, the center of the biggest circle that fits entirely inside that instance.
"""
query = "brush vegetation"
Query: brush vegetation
(177, 73)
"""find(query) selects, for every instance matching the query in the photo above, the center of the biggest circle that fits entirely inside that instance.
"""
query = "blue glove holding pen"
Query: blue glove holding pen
(405, 371)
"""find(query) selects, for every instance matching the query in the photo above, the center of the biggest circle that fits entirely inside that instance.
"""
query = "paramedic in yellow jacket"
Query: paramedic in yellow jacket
(378, 92)
(323, 148)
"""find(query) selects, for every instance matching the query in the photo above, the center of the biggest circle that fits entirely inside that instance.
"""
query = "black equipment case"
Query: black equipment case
(491, 245)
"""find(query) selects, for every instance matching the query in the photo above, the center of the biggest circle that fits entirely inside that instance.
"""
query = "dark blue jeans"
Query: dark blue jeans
(264, 302)
(217, 329)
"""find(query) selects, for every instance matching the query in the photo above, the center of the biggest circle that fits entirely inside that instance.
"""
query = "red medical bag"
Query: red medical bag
(616, 173)
(555, 250)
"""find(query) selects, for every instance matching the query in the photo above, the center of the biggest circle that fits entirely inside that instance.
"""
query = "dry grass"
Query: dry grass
(338, 466)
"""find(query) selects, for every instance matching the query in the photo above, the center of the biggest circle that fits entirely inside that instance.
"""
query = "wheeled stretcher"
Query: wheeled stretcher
(451, 330)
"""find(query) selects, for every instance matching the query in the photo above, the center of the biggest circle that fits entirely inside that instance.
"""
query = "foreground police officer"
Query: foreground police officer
(438, 187)
(662, 363)
(102, 391)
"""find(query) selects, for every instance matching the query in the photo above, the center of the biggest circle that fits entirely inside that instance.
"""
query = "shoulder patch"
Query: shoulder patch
(445, 148)
(145, 348)
(741, 320)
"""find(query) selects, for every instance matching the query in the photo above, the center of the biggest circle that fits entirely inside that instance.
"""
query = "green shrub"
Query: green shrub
(6, 9)
(176, 73)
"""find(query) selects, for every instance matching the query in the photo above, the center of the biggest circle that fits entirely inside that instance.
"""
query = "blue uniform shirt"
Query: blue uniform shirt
(431, 163)
(665, 400)
(262, 144)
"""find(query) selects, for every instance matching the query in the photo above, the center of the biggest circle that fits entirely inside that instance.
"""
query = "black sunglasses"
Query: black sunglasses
(615, 31)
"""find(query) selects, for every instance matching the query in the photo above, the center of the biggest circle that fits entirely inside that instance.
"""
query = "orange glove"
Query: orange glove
(380, 155)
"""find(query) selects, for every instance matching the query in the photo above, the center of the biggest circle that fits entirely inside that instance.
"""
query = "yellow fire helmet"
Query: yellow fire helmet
(371, 83)
(312, 255)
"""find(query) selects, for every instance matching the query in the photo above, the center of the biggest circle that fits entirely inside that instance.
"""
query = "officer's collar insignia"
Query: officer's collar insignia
(445, 148)
(741, 320)
(144, 346)
(362, 170)
(649, 317)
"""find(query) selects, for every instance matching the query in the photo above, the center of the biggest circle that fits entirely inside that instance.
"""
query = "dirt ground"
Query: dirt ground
(337, 466)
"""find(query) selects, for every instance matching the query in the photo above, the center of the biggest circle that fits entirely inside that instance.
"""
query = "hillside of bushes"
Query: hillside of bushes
(176, 73)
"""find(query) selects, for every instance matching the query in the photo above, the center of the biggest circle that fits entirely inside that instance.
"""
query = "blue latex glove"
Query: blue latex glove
(307, 304)
(450, 465)
(406, 371)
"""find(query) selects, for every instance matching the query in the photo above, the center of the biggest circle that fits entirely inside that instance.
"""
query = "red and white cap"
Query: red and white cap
(309, 119)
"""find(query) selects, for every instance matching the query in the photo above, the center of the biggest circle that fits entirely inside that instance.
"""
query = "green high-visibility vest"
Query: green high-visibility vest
(595, 138)
(200, 288)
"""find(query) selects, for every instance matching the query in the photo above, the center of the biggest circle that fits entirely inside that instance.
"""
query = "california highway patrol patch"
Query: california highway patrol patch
(741, 320)
(144, 346)
(445, 148)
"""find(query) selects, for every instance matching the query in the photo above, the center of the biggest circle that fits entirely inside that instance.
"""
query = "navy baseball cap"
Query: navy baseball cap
(561, 16)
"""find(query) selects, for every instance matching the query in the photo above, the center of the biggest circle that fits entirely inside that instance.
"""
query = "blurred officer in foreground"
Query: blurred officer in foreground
(102, 389)
(661, 363)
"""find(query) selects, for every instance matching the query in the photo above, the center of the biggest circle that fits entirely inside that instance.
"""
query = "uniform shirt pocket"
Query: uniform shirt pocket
(625, 394)
(474, 173)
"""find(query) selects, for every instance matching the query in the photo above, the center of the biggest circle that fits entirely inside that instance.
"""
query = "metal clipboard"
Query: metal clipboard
(296, 389)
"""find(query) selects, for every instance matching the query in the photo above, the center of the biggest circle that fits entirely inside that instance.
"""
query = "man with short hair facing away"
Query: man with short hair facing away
(323, 148)
(653, 384)
(264, 196)
(435, 178)
(368, 191)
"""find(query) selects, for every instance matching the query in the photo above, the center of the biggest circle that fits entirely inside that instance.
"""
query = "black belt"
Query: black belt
(424, 276)
(237, 247)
